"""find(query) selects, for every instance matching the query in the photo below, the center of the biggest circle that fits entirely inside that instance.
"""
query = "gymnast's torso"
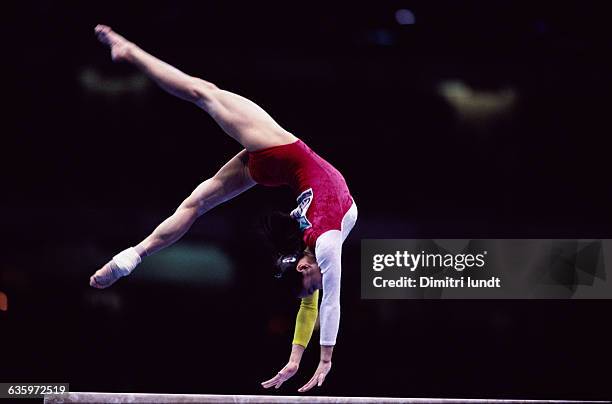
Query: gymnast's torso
(322, 194)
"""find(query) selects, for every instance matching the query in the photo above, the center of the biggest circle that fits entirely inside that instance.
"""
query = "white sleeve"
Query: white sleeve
(328, 251)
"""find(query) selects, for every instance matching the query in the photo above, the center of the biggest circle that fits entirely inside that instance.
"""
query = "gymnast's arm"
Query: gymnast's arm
(304, 325)
(231, 180)
(328, 251)
(306, 319)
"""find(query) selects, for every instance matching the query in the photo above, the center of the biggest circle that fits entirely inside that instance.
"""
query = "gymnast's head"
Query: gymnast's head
(296, 267)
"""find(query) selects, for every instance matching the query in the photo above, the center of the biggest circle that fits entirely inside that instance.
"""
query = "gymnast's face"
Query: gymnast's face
(311, 274)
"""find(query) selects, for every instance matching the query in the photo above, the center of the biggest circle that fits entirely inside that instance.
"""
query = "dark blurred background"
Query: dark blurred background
(448, 119)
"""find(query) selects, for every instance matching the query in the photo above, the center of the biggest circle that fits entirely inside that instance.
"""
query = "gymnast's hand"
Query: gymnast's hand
(319, 376)
(322, 370)
(281, 377)
(289, 370)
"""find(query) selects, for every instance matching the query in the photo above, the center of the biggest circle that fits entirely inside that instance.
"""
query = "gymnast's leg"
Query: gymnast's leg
(239, 117)
(231, 180)
(242, 119)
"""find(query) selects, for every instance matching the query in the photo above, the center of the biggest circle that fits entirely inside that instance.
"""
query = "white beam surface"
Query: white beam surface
(214, 398)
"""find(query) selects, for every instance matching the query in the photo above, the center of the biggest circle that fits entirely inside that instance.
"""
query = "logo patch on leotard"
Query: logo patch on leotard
(299, 213)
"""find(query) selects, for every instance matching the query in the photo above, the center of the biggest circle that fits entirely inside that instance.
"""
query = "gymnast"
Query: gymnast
(308, 241)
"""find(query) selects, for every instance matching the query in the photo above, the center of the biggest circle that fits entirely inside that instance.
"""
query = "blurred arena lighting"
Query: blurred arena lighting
(109, 300)
(478, 107)
(404, 16)
(380, 37)
(3, 301)
(91, 80)
(188, 264)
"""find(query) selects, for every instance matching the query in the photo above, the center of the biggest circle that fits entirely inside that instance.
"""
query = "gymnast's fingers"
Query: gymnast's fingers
(311, 383)
(321, 379)
(271, 382)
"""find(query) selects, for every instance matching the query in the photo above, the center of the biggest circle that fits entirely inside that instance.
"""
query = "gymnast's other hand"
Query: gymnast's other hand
(319, 377)
(289, 370)
(285, 374)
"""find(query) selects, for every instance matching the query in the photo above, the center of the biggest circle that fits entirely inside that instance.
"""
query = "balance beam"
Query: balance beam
(215, 398)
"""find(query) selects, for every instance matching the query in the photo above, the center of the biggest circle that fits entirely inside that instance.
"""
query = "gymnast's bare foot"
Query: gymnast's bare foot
(105, 276)
(119, 46)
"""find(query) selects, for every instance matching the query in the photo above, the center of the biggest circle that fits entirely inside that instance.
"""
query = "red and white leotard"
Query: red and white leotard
(326, 213)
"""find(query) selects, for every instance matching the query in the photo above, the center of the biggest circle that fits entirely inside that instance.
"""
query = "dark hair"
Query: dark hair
(289, 279)
(282, 233)
(284, 239)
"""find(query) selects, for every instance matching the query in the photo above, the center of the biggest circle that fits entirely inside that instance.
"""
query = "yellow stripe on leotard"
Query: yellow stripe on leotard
(306, 319)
